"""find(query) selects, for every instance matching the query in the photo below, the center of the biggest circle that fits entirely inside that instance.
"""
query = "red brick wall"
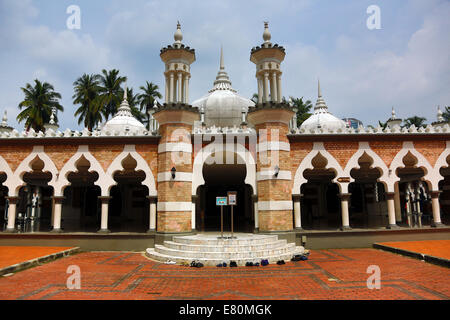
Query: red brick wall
(14, 155)
(60, 154)
(387, 150)
(431, 150)
(342, 151)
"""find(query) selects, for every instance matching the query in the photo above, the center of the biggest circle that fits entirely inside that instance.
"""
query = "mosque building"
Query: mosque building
(162, 183)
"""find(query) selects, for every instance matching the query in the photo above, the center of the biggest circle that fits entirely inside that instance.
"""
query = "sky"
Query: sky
(363, 72)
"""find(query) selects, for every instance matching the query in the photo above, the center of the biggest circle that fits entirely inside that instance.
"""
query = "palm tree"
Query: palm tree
(446, 114)
(110, 92)
(38, 103)
(86, 93)
(147, 98)
(383, 125)
(416, 121)
(303, 109)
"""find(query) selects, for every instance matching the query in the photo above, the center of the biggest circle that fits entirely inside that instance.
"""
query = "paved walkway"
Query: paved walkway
(339, 274)
(435, 248)
(13, 255)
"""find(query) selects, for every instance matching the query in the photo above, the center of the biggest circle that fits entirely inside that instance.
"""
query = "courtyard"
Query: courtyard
(339, 274)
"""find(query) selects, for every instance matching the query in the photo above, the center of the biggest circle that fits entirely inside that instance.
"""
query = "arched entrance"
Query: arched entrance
(321, 203)
(221, 177)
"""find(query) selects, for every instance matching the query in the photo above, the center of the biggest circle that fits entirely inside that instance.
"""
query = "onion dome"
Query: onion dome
(124, 121)
(322, 118)
(222, 105)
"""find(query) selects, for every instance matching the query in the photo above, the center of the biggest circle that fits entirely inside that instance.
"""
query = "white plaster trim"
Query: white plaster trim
(274, 205)
(174, 206)
(243, 153)
(142, 165)
(179, 176)
(269, 175)
(273, 146)
(175, 147)
(318, 147)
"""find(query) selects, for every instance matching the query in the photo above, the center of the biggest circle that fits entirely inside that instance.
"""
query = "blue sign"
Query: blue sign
(221, 201)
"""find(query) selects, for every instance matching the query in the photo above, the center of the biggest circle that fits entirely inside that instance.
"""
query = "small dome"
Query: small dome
(322, 118)
(124, 121)
(222, 105)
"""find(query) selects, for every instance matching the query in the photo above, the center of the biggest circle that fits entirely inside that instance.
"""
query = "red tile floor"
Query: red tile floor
(339, 274)
(435, 248)
(12, 255)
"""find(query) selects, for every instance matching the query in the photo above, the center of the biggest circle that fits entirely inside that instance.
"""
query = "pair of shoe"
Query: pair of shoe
(196, 264)
(264, 262)
(251, 264)
(300, 257)
(222, 265)
(280, 262)
(233, 264)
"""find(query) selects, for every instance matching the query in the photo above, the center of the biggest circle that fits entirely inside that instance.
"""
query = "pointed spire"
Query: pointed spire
(320, 104)
(125, 93)
(124, 106)
(440, 117)
(394, 115)
(266, 35)
(222, 64)
(5, 119)
(52, 117)
(178, 36)
(319, 89)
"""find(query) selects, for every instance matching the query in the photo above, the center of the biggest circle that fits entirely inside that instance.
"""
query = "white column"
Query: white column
(185, 90)
(391, 210)
(280, 97)
(297, 212)
(167, 90)
(57, 209)
(188, 78)
(436, 209)
(344, 211)
(256, 213)
(260, 90)
(12, 214)
(171, 88)
(265, 87)
(180, 87)
(398, 207)
(152, 220)
(274, 87)
(104, 222)
(193, 213)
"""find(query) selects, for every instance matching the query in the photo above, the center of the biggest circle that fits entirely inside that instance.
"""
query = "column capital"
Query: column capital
(255, 197)
(13, 199)
(194, 198)
(435, 194)
(105, 198)
(58, 198)
(297, 197)
(345, 196)
(152, 198)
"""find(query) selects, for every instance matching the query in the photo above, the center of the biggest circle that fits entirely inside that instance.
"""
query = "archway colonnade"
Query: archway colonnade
(85, 178)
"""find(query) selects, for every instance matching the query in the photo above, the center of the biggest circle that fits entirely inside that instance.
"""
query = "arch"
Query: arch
(206, 152)
(430, 176)
(116, 166)
(318, 148)
(70, 166)
(16, 181)
(4, 167)
(386, 178)
(441, 163)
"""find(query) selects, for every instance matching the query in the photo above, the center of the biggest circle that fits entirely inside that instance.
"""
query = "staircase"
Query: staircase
(210, 250)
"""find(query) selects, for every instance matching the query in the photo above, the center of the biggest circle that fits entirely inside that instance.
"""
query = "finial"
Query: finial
(178, 36)
(394, 116)
(155, 104)
(52, 116)
(266, 35)
(125, 93)
(440, 117)
(5, 119)
(319, 90)
(222, 64)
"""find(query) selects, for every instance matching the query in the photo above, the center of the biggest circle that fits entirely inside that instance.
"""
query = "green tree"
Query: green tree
(446, 114)
(416, 121)
(383, 125)
(147, 99)
(303, 109)
(39, 101)
(86, 90)
(110, 92)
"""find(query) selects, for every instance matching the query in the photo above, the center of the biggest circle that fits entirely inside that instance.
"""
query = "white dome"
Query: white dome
(223, 107)
(124, 121)
(322, 118)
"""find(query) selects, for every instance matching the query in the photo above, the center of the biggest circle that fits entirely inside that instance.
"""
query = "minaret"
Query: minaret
(440, 119)
(268, 59)
(178, 59)
(176, 206)
(271, 118)
(52, 124)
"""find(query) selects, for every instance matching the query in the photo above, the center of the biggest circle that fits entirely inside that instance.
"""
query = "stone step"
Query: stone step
(225, 248)
(152, 254)
(211, 240)
(232, 255)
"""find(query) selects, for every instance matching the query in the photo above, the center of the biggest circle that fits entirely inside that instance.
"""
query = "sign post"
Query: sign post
(221, 202)
(232, 201)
